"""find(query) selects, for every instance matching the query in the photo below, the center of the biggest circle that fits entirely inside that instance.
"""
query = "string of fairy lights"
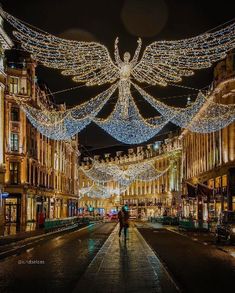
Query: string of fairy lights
(162, 63)
(64, 124)
(102, 174)
(89, 63)
(127, 124)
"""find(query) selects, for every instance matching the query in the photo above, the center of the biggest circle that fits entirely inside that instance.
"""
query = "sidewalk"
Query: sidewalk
(22, 241)
(129, 266)
(12, 233)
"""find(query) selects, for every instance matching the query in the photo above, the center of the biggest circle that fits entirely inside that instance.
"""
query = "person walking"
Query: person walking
(123, 217)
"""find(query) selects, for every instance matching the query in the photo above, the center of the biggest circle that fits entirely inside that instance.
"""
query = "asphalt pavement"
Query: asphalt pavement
(94, 259)
(54, 265)
(195, 266)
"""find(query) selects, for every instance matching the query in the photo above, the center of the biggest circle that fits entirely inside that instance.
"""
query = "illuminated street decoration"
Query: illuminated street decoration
(212, 117)
(203, 116)
(95, 190)
(104, 174)
(124, 175)
(100, 190)
(179, 116)
(162, 63)
(127, 125)
(62, 125)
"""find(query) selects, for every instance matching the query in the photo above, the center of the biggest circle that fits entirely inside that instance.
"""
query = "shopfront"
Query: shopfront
(31, 208)
(41, 206)
(72, 208)
(58, 208)
(12, 208)
(52, 208)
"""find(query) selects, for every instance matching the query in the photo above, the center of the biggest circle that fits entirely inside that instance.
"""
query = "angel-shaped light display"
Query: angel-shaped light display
(162, 62)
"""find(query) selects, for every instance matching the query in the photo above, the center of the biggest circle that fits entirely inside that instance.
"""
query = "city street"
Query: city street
(53, 265)
(117, 146)
(95, 260)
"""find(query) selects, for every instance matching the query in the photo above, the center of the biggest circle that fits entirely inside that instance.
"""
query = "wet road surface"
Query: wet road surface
(194, 266)
(126, 266)
(54, 265)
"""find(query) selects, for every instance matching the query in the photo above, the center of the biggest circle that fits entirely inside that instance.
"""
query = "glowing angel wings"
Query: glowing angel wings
(168, 61)
(87, 62)
(162, 62)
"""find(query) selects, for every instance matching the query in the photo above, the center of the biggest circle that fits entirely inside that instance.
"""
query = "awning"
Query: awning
(192, 189)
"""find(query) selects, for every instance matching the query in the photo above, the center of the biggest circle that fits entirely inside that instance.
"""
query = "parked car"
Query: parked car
(225, 229)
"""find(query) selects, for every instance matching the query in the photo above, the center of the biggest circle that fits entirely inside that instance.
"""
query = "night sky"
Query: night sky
(103, 21)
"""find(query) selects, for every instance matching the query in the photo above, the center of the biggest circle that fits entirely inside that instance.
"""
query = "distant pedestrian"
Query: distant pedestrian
(41, 219)
(123, 217)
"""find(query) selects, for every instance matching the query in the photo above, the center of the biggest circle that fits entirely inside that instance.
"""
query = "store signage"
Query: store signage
(4, 194)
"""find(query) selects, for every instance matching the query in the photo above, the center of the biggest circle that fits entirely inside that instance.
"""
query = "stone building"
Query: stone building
(210, 158)
(37, 174)
(5, 44)
(41, 174)
(144, 198)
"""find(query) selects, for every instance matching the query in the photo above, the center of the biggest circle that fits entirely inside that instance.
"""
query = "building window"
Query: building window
(13, 85)
(36, 177)
(14, 142)
(15, 114)
(14, 172)
(233, 61)
(224, 181)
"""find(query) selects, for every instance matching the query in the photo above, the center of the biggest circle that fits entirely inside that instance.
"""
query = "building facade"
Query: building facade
(144, 198)
(209, 159)
(41, 175)
(5, 43)
(36, 174)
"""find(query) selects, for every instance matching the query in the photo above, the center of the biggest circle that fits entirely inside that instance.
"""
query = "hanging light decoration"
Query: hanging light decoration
(212, 117)
(203, 116)
(113, 178)
(124, 176)
(179, 116)
(94, 191)
(162, 62)
(126, 124)
(102, 174)
(62, 125)
(97, 190)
